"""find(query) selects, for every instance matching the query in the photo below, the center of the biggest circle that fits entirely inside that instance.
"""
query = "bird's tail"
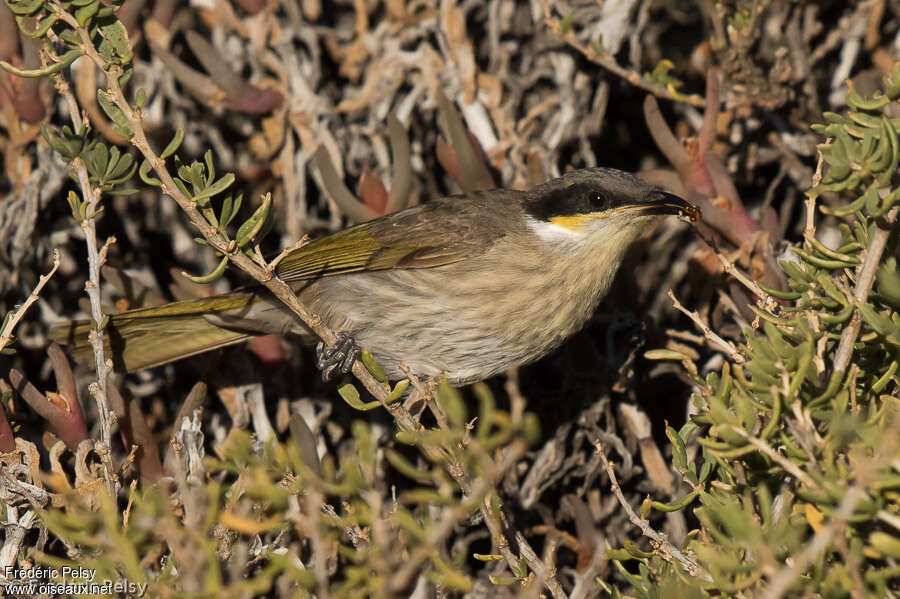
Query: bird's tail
(149, 337)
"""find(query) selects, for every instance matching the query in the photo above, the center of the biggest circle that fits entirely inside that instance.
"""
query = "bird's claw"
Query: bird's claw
(339, 356)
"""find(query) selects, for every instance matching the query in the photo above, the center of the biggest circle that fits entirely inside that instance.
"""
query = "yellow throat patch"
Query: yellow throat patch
(574, 222)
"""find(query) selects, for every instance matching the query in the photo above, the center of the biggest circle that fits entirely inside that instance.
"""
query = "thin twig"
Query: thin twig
(545, 573)
(724, 345)
(6, 333)
(608, 62)
(728, 266)
(788, 466)
(96, 259)
(810, 230)
(768, 301)
(441, 529)
(865, 278)
(14, 536)
(273, 264)
(663, 545)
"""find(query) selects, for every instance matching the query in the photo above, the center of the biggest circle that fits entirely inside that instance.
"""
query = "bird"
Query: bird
(465, 286)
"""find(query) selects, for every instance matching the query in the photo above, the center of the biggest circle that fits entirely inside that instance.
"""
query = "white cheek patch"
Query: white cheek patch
(553, 233)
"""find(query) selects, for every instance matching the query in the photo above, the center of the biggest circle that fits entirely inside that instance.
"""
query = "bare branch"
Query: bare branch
(6, 332)
(663, 545)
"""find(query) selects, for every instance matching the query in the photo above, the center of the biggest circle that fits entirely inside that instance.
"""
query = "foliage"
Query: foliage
(248, 519)
(794, 484)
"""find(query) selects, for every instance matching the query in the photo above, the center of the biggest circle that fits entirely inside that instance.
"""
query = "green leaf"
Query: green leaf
(486, 406)
(116, 35)
(64, 61)
(43, 26)
(451, 402)
(114, 156)
(125, 77)
(372, 366)
(448, 577)
(398, 391)
(350, 395)
(886, 544)
(114, 113)
(122, 170)
(254, 225)
(68, 144)
(75, 204)
(531, 429)
(173, 145)
(97, 159)
(216, 188)
(25, 7)
(213, 276)
(676, 505)
(889, 282)
(144, 173)
(794, 271)
(407, 468)
(405, 520)
(679, 454)
(182, 188)
(210, 167)
(84, 14)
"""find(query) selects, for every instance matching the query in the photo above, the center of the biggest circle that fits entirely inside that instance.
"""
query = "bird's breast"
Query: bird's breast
(471, 319)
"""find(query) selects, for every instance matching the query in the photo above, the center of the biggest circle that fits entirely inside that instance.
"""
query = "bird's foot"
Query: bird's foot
(337, 357)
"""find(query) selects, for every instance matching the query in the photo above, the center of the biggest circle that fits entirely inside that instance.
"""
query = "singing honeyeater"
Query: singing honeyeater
(467, 285)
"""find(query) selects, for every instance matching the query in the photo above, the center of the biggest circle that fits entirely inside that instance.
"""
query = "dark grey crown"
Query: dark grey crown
(586, 191)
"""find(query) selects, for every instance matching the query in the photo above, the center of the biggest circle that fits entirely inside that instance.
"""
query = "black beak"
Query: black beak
(661, 202)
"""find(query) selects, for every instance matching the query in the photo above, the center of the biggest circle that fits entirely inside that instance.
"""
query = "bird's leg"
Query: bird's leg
(339, 356)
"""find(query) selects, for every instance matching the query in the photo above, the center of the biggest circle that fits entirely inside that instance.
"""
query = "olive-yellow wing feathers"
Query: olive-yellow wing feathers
(433, 234)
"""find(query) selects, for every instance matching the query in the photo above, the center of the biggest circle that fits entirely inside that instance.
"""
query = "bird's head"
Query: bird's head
(599, 206)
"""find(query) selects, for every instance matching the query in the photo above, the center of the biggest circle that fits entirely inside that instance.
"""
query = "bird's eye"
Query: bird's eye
(599, 201)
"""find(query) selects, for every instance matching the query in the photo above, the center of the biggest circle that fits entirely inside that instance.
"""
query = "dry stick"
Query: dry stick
(544, 573)
(810, 230)
(789, 466)
(726, 346)
(96, 259)
(14, 536)
(6, 333)
(17, 526)
(728, 266)
(609, 63)
(665, 546)
(442, 529)
(320, 549)
(865, 278)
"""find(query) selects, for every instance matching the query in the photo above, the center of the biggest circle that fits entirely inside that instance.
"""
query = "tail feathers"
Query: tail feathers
(149, 337)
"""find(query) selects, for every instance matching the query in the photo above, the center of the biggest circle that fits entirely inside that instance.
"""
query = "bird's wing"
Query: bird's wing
(425, 236)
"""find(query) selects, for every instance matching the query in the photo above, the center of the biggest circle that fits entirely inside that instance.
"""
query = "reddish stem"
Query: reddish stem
(61, 409)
